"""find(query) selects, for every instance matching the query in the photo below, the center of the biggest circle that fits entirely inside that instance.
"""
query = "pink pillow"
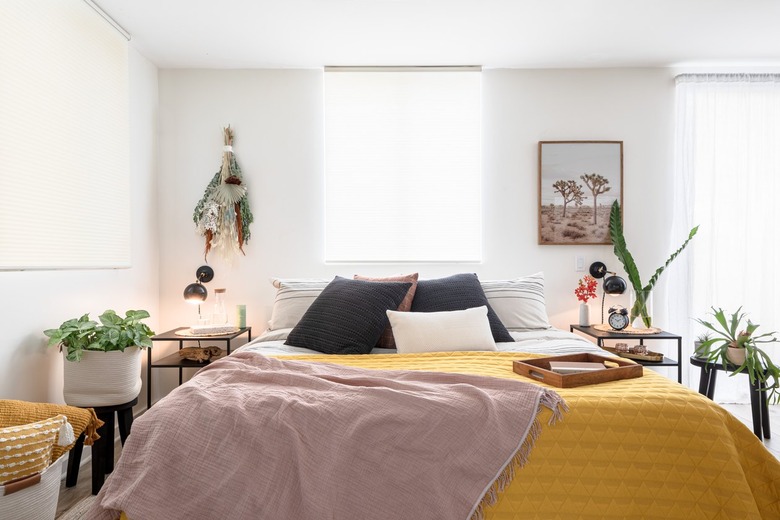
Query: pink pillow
(386, 340)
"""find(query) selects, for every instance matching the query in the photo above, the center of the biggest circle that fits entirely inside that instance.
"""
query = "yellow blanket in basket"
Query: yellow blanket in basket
(637, 448)
(83, 420)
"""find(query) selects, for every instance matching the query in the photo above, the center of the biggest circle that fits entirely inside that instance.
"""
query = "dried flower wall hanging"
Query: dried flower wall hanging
(222, 215)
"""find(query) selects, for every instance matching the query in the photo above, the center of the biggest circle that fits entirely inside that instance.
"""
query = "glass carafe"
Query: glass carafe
(219, 313)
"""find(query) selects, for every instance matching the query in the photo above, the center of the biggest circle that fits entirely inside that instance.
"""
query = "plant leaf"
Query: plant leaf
(621, 250)
(654, 278)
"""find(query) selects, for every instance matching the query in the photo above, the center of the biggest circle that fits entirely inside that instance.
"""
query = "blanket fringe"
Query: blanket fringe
(90, 432)
(554, 402)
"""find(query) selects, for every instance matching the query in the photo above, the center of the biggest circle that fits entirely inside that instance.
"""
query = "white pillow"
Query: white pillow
(293, 298)
(442, 331)
(518, 303)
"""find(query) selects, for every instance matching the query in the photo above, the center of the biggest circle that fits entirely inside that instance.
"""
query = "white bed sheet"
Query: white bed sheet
(548, 341)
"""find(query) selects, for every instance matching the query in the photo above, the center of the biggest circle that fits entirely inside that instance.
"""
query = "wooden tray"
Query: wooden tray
(650, 356)
(539, 370)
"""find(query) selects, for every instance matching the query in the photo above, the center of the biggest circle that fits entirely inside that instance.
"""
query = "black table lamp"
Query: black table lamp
(613, 284)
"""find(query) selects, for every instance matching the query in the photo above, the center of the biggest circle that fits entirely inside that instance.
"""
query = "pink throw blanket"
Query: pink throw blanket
(256, 437)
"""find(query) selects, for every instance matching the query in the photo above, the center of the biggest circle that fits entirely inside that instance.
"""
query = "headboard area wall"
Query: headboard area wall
(278, 121)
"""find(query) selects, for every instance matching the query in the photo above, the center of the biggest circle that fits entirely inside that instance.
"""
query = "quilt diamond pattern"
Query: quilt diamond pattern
(637, 448)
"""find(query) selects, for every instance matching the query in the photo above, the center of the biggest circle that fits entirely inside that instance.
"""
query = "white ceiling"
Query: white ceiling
(491, 33)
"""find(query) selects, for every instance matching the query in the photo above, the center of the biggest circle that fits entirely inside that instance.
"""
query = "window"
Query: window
(403, 165)
(64, 142)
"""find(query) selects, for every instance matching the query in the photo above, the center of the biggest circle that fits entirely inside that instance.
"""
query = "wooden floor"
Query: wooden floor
(71, 496)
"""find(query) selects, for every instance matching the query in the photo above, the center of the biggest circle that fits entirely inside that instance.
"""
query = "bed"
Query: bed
(638, 448)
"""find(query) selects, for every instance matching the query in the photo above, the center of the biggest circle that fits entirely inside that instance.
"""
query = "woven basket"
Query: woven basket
(37, 502)
(103, 378)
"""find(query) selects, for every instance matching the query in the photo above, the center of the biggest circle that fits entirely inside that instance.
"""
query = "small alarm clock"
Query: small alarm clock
(618, 317)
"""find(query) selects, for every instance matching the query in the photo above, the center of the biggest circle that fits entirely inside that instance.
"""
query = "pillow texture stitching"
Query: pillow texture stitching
(348, 317)
(455, 293)
(386, 340)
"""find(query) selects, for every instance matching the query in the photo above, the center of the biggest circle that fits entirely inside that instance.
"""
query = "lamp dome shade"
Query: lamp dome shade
(614, 285)
(195, 293)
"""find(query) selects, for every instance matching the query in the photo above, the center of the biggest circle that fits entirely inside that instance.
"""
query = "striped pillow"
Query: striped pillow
(26, 449)
(293, 298)
(519, 303)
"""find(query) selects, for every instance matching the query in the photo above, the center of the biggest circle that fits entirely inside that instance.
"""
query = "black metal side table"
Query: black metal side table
(601, 335)
(176, 361)
(758, 405)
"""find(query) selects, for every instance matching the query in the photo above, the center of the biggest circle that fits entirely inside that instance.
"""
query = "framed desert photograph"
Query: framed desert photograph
(578, 182)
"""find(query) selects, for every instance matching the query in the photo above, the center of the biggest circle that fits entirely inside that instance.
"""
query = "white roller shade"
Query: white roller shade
(403, 166)
(63, 138)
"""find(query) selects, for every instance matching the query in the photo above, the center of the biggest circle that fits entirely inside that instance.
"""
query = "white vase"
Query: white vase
(103, 378)
(584, 315)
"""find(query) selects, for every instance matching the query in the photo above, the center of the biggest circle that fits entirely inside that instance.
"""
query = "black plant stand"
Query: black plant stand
(103, 449)
(758, 405)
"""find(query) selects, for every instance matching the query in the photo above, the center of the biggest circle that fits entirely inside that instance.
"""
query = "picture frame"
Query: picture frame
(578, 182)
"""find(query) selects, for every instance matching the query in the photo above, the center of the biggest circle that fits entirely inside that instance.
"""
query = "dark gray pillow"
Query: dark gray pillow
(456, 293)
(348, 317)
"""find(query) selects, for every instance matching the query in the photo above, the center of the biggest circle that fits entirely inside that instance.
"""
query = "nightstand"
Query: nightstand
(176, 361)
(600, 336)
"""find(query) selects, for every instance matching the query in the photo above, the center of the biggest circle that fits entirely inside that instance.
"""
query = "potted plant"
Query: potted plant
(585, 291)
(701, 338)
(642, 294)
(736, 345)
(102, 360)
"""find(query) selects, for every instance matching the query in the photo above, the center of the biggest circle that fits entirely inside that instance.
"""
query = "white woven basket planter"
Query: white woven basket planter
(37, 502)
(103, 378)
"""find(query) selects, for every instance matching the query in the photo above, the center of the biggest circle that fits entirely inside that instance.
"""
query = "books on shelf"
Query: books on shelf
(575, 367)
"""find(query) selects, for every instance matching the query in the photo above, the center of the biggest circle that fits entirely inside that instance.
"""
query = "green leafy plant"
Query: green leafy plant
(113, 333)
(734, 333)
(642, 292)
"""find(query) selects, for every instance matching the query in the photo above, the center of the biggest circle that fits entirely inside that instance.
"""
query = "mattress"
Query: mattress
(550, 341)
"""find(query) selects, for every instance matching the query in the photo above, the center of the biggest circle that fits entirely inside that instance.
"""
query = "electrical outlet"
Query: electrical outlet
(579, 263)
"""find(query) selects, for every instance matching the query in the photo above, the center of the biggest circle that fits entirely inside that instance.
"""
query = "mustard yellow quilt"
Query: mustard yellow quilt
(638, 448)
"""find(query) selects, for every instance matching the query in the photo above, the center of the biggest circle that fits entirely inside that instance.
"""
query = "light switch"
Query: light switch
(579, 263)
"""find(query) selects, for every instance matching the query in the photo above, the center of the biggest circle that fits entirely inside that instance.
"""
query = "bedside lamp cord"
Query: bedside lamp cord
(603, 295)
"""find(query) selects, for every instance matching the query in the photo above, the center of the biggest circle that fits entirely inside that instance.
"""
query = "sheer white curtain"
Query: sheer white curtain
(727, 179)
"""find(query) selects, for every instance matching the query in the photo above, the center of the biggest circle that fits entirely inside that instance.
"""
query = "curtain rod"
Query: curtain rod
(107, 18)
(727, 77)
(401, 68)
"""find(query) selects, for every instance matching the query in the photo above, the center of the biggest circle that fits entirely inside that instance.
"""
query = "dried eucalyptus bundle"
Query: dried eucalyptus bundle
(222, 215)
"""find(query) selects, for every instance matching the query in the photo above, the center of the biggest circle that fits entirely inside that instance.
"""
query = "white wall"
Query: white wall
(36, 300)
(277, 117)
